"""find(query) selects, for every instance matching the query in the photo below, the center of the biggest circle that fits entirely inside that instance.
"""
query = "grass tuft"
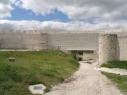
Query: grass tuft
(116, 64)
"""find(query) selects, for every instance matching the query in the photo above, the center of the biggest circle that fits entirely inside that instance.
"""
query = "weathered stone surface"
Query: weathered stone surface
(37, 89)
(12, 59)
(107, 47)
(112, 45)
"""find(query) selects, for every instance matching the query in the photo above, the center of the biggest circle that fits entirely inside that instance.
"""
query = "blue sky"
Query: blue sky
(19, 14)
(63, 14)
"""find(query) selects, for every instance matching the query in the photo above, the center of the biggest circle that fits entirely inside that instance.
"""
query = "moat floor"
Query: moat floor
(85, 81)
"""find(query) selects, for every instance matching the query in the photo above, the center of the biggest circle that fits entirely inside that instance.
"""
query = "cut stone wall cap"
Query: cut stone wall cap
(37, 89)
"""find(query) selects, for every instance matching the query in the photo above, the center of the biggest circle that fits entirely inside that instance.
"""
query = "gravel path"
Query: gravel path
(85, 81)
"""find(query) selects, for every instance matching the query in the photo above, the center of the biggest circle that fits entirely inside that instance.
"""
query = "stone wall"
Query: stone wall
(87, 56)
(37, 40)
(107, 45)
(28, 40)
(122, 47)
(73, 41)
(107, 48)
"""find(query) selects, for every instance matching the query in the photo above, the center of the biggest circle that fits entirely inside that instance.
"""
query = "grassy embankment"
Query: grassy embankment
(119, 80)
(43, 67)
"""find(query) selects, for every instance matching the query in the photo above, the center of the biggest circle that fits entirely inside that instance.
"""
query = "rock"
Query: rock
(37, 89)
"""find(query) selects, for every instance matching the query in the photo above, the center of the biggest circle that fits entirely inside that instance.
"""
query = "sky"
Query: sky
(63, 14)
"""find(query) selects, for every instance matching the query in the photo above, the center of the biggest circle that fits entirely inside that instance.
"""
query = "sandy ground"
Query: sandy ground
(85, 81)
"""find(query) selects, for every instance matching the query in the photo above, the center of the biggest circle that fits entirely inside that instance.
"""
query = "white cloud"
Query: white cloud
(104, 14)
(55, 25)
(5, 8)
(80, 9)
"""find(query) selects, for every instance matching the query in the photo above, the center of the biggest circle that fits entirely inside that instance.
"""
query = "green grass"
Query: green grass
(33, 67)
(116, 64)
(119, 81)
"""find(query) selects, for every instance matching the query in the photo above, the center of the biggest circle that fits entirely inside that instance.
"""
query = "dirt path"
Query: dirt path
(85, 81)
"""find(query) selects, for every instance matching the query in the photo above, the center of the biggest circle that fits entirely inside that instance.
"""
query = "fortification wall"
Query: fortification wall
(37, 40)
(87, 56)
(29, 40)
(122, 47)
(73, 41)
(107, 48)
